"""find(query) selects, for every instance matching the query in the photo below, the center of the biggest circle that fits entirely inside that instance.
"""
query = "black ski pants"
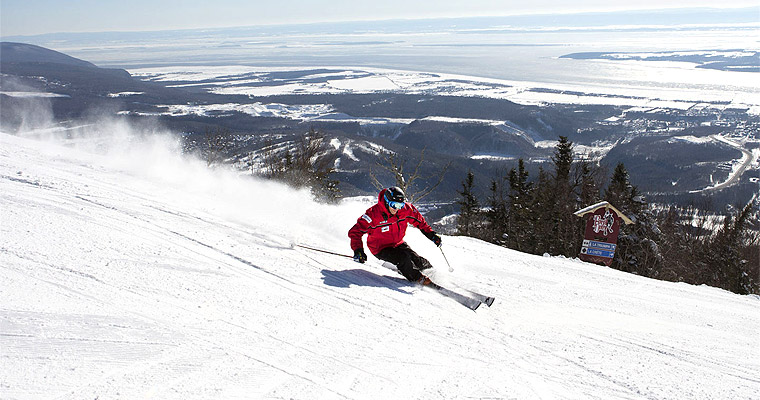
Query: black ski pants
(406, 260)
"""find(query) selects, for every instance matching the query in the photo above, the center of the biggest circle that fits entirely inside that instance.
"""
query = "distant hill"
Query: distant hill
(12, 52)
(78, 84)
(741, 60)
(24, 59)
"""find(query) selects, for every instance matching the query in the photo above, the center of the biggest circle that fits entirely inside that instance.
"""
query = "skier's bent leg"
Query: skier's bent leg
(420, 263)
(402, 257)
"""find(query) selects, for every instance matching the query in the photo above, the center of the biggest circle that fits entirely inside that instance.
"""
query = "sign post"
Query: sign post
(602, 229)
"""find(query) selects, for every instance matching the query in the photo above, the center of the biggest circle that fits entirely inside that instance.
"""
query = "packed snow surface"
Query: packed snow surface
(139, 274)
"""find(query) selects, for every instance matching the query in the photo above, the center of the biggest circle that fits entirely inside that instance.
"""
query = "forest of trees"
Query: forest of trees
(679, 244)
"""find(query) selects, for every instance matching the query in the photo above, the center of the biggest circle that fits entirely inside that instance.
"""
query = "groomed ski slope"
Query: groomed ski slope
(141, 275)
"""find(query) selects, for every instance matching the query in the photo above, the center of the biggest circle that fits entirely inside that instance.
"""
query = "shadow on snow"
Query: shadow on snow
(360, 277)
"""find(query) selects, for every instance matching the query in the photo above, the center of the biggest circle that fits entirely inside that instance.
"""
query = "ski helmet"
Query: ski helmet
(394, 197)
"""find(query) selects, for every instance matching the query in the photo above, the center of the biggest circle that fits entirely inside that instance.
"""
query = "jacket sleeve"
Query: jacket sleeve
(358, 230)
(419, 221)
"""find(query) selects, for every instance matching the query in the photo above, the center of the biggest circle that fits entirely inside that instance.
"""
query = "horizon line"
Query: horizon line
(349, 21)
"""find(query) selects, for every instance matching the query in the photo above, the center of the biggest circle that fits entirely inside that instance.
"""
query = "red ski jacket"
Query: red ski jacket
(384, 229)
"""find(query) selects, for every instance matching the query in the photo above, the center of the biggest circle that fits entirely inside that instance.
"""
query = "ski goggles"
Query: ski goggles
(396, 205)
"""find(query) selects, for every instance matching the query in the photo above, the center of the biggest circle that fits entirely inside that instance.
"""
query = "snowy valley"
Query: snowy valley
(684, 141)
(138, 273)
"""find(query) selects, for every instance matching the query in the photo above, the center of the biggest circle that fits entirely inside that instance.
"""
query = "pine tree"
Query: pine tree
(498, 213)
(563, 160)
(563, 221)
(588, 187)
(588, 193)
(620, 192)
(638, 249)
(726, 258)
(520, 227)
(726, 266)
(543, 216)
(469, 208)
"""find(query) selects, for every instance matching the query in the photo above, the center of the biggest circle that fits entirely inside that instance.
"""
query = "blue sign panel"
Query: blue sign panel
(599, 245)
(597, 252)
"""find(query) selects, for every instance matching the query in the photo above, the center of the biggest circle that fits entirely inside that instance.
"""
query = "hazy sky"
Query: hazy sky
(29, 17)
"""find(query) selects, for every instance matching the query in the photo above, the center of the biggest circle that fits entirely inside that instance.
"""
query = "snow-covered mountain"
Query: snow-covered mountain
(139, 274)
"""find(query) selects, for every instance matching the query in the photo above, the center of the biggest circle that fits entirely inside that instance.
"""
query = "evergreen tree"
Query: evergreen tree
(469, 208)
(588, 187)
(563, 160)
(543, 216)
(535, 217)
(519, 227)
(620, 192)
(564, 224)
(638, 250)
(588, 193)
(726, 267)
(726, 258)
(497, 214)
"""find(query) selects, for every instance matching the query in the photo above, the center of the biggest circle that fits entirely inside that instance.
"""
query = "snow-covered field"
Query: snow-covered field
(31, 94)
(671, 86)
(300, 111)
(138, 274)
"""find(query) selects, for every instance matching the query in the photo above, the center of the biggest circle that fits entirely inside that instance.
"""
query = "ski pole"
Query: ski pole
(323, 251)
(447, 260)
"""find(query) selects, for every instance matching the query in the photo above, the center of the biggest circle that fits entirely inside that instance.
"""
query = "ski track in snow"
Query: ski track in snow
(122, 280)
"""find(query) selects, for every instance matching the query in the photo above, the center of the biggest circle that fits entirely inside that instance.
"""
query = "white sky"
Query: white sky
(29, 17)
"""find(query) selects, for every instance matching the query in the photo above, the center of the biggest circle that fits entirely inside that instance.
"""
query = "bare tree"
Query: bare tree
(302, 163)
(272, 165)
(218, 142)
(396, 166)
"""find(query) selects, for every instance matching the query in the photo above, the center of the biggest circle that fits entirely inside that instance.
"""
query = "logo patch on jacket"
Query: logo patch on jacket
(367, 218)
(385, 229)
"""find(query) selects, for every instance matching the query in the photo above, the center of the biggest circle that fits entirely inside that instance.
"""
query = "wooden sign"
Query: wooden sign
(602, 229)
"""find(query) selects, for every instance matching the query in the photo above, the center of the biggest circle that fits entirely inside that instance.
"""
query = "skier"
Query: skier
(385, 226)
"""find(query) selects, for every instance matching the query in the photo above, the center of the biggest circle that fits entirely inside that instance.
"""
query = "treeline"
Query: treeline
(303, 162)
(679, 244)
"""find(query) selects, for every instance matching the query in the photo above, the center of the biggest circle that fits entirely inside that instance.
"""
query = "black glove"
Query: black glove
(434, 237)
(359, 255)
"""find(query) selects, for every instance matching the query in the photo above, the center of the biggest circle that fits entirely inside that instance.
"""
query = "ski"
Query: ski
(471, 300)
(487, 300)
(468, 302)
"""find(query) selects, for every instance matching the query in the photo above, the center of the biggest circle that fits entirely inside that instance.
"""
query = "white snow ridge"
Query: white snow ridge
(154, 277)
